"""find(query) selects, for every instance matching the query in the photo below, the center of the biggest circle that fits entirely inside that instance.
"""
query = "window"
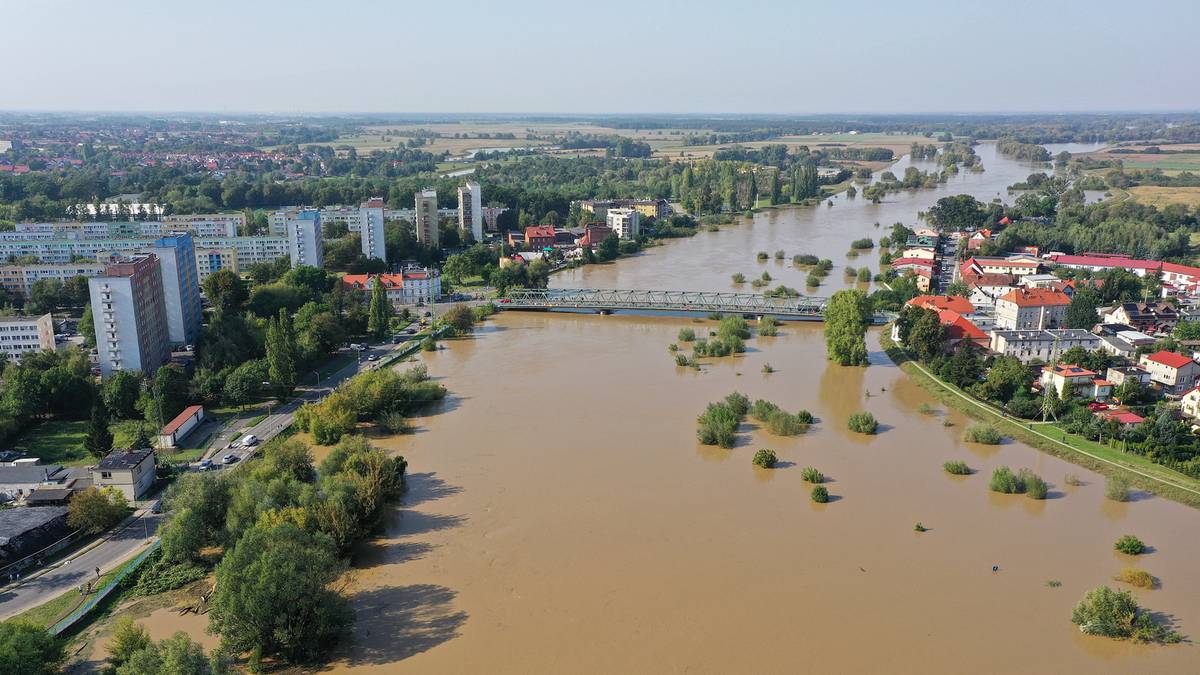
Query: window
(105, 474)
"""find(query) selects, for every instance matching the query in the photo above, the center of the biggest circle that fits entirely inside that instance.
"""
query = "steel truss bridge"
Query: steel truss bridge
(596, 300)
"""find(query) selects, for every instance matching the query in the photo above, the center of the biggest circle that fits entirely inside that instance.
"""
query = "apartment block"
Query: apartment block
(209, 224)
(470, 210)
(181, 286)
(130, 315)
(212, 259)
(18, 280)
(306, 243)
(626, 222)
(22, 334)
(371, 229)
(427, 218)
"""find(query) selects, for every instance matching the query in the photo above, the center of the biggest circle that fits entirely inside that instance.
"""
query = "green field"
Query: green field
(56, 442)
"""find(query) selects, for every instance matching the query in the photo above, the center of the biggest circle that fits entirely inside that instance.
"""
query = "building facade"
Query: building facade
(209, 224)
(413, 286)
(426, 214)
(132, 473)
(306, 241)
(23, 334)
(470, 210)
(209, 260)
(18, 280)
(129, 315)
(1031, 309)
(626, 222)
(1041, 345)
(1173, 373)
(181, 287)
(371, 229)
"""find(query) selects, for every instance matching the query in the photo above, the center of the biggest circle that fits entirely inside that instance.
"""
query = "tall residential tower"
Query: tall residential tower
(371, 229)
(427, 218)
(130, 315)
(470, 210)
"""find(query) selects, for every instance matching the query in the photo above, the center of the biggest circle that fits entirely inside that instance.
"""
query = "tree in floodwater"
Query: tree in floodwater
(847, 316)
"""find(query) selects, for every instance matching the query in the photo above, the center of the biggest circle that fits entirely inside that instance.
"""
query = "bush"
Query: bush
(718, 424)
(782, 423)
(850, 271)
(672, 347)
(1130, 545)
(957, 467)
(926, 409)
(805, 417)
(983, 433)
(733, 326)
(864, 274)
(864, 243)
(765, 276)
(820, 495)
(739, 403)
(1003, 480)
(1035, 487)
(767, 368)
(739, 278)
(780, 255)
(768, 327)
(920, 528)
(158, 575)
(1116, 488)
(393, 423)
(762, 255)
(862, 422)
(682, 360)
(764, 458)
(686, 335)
(811, 475)
(1136, 577)
(1116, 614)
(429, 344)
(1072, 479)
(762, 410)
(27, 648)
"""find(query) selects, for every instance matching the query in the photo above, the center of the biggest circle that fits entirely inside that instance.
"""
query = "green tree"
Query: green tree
(380, 313)
(87, 327)
(457, 267)
(1081, 313)
(273, 593)
(27, 648)
(776, 189)
(141, 440)
(167, 396)
(93, 510)
(127, 638)
(245, 383)
(460, 318)
(226, 290)
(847, 316)
(927, 335)
(609, 248)
(281, 353)
(959, 212)
(184, 536)
(1187, 330)
(177, 655)
(99, 439)
(120, 393)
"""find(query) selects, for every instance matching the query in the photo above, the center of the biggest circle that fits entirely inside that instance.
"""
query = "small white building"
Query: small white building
(183, 424)
(130, 472)
(627, 223)
(23, 334)
(1031, 309)
(1173, 373)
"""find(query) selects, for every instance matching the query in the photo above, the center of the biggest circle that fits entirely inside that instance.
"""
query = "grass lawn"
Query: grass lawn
(1103, 459)
(1165, 196)
(56, 442)
(50, 613)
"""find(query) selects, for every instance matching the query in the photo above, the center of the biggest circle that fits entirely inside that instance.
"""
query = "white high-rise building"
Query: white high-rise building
(306, 243)
(130, 315)
(371, 226)
(427, 218)
(627, 223)
(470, 210)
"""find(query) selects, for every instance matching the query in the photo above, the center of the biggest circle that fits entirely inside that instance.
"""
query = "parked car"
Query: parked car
(229, 459)
(205, 464)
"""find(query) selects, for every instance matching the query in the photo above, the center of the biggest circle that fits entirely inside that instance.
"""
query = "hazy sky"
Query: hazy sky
(602, 56)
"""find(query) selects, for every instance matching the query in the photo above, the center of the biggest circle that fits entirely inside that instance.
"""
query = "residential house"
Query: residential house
(959, 328)
(1119, 375)
(130, 472)
(1180, 279)
(1031, 308)
(1071, 381)
(901, 264)
(413, 286)
(1041, 345)
(1126, 419)
(1173, 373)
(918, 252)
(954, 303)
(1189, 403)
(594, 234)
(985, 289)
(1099, 262)
(1148, 317)
(539, 237)
(1017, 265)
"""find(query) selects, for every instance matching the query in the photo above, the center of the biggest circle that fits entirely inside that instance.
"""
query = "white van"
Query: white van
(250, 440)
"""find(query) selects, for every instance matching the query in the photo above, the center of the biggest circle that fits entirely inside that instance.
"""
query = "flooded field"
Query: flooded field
(561, 516)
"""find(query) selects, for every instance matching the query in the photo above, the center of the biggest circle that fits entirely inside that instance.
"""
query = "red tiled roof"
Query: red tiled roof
(1169, 359)
(182, 417)
(1124, 417)
(988, 279)
(1036, 297)
(1069, 370)
(1103, 260)
(539, 231)
(1181, 269)
(955, 303)
(919, 262)
(958, 327)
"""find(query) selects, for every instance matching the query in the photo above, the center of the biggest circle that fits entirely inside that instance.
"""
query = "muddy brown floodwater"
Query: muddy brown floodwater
(561, 516)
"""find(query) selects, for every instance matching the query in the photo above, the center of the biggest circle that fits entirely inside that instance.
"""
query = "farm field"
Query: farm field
(1165, 196)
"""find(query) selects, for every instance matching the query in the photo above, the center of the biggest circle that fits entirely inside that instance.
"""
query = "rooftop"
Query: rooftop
(956, 303)
(18, 521)
(1169, 359)
(1036, 297)
(124, 460)
(31, 474)
(182, 417)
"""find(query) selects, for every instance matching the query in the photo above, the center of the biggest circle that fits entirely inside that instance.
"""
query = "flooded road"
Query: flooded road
(561, 516)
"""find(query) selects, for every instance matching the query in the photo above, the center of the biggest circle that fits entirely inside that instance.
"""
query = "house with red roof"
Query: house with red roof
(901, 264)
(1147, 317)
(960, 328)
(1016, 265)
(955, 303)
(183, 424)
(540, 236)
(594, 234)
(1122, 417)
(1189, 403)
(413, 286)
(1098, 262)
(1171, 372)
(1180, 279)
(1071, 381)
(1031, 309)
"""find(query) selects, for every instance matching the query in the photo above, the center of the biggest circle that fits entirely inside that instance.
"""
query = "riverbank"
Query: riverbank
(1141, 472)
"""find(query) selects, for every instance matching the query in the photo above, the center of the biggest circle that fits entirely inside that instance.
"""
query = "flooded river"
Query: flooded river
(561, 516)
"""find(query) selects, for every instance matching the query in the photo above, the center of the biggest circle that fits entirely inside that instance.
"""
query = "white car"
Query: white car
(250, 440)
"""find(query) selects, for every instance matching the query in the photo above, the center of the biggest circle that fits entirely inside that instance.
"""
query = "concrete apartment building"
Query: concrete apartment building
(470, 210)
(23, 334)
(648, 208)
(209, 224)
(371, 220)
(626, 222)
(18, 280)
(1031, 309)
(209, 260)
(1173, 373)
(306, 241)
(181, 286)
(130, 315)
(1041, 345)
(426, 223)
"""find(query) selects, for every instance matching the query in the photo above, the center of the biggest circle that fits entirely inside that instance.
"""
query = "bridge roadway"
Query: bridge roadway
(803, 308)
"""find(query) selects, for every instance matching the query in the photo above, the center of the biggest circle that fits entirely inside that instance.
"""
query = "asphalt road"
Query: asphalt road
(69, 574)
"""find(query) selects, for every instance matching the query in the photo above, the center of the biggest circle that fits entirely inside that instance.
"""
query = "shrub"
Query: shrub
(393, 423)
(782, 423)
(768, 327)
(864, 274)
(926, 409)
(672, 347)
(733, 326)
(1035, 487)
(686, 335)
(1116, 614)
(805, 417)
(920, 528)
(739, 278)
(762, 255)
(820, 495)
(1003, 480)
(765, 458)
(762, 410)
(765, 276)
(780, 255)
(1116, 488)
(718, 423)
(758, 283)
(862, 422)
(767, 368)
(1072, 479)
(429, 344)
(983, 433)
(159, 576)
(1130, 545)
(957, 467)
(811, 475)
(864, 243)
(1136, 577)
(682, 360)
(739, 403)
(812, 281)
